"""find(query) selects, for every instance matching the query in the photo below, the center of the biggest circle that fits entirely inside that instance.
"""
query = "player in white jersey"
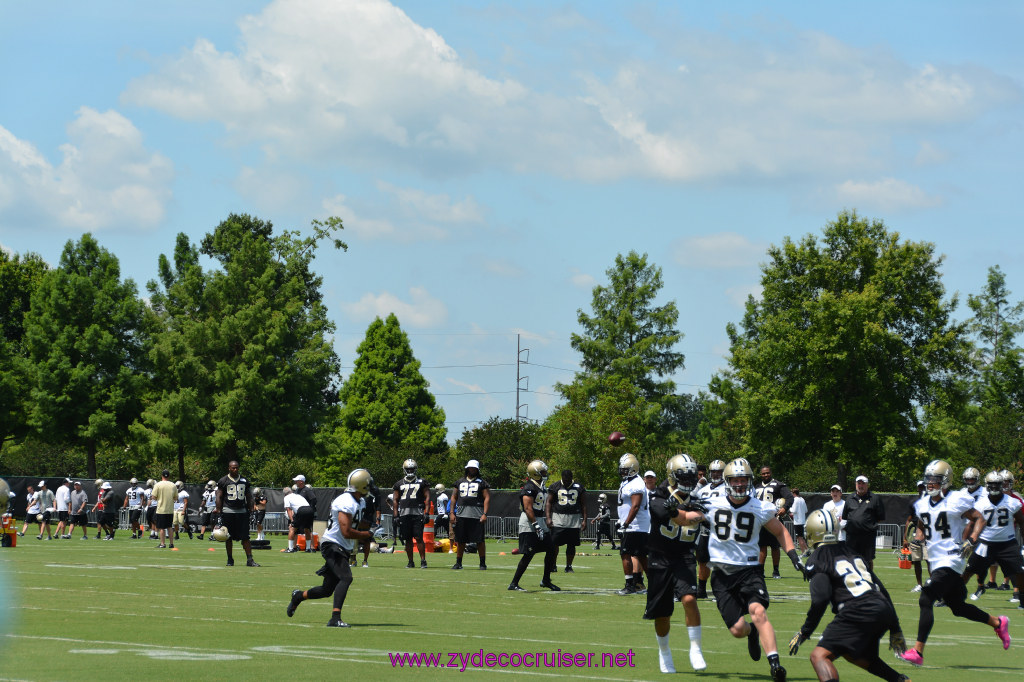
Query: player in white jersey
(134, 498)
(208, 507)
(998, 542)
(151, 509)
(181, 511)
(337, 545)
(714, 488)
(736, 521)
(945, 519)
(972, 483)
(633, 525)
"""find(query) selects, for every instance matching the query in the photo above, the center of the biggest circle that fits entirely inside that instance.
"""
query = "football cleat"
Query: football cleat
(628, 589)
(550, 585)
(665, 663)
(912, 656)
(697, 659)
(423, 563)
(916, 588)
(568, 569)
(337, 623)
(252, 563)
(514, 587)
(231, 562)
(1003, 631)
(410, 565)
(778, 673)
(456, 567)
(294, 603)
(753, 644)
(978, 593)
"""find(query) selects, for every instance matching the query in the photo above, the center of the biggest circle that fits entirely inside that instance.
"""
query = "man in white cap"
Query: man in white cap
(63, 502)
(109, 519)
(836, 506)
(47, 502)
(861, 516)
(300, 519)
(471, 498)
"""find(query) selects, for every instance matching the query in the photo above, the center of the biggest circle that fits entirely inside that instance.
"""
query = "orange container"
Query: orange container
(905, 559)
(301, 541)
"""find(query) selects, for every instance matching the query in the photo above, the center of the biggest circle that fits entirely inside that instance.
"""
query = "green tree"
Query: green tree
(502, 446)
(850, 339)
(19, 277)
(997, 324)
(243, 357)
(385, 401)
(84, 338)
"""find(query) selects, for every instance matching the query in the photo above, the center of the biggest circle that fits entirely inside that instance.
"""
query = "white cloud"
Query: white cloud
(527, 335)
(887, 194)
(502, 268)
(722, 250)
(107, 178)
(472, 388)
(360, 82)
(434, 207)
(582, 279)
(739, 294)
(421, 310)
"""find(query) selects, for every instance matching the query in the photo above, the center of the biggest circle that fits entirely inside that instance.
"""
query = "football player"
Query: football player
(441, 507)
(471, 499)
(910, 542)
(671, 564)
(259, 507)
(998, 543)
(772, 490)
(134, 498)
(411, 500)
(337, 546)
(181, 511)
(863, 608)
(207, 507)
(151, 509)
(714, 488)
(945, 518)
(370, 522)
(633, 525)
(234, 506)
(300, 519)
(603, 521)
(1008, 490)
(566, 514)
(534, 535)
(737, 579)
(972, 483)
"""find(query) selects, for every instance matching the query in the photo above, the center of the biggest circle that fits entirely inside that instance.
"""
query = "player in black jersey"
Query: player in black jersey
(234, 506)
(534, 535)
(566, 514)
(470, 501)
(671, 563)
(864, 611)
(603, 521)
(411, 499)
(772, 490)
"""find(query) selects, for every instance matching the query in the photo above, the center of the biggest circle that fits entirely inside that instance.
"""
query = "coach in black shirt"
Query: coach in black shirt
(861, 516)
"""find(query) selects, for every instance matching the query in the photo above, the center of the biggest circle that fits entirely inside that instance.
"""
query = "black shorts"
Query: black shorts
(411, 527)
(566, 536)
(80, 519)
(668, 580)
(134, 516)
(862, 544)
(633, 544)
(46, 516)
(336, 561)
(302, 519)
(205, 518)
(62, 516)
(798, 530)
(163, 521)
(767, 539)
(945, 583)
(529, 543)
(237, 525)
(110, 519)
(703, 556)
(1006, 554)
(258, 515)
(150, 513)
(469, 530)
(735, 593)
(857, 628)
(441, 523)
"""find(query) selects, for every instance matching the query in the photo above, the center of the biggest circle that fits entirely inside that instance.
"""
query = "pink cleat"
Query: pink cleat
(1004, 631)
(913, 657)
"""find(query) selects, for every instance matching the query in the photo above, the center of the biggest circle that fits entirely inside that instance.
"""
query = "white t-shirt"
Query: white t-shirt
(642, 521)
(294, 501)
(998, 519)
(735, 530)
(799, 511)
(63, 498)
(33, 503)
(348, 504)
(943, 527)
(837, 511)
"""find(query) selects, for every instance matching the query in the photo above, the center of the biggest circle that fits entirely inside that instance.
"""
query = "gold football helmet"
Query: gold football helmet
(359, 482)
(735, 470)
(629, 466)
(537, 471)
(821, 528)
(994, 483)
(936, 477)
(682, 473)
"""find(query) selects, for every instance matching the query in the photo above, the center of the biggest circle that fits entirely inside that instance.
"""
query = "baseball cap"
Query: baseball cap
(650, 473)
(106, 486)
(862, 479)
(300, 477)
(77, 483)
(836, 487)
(67, 480)
(472, 464)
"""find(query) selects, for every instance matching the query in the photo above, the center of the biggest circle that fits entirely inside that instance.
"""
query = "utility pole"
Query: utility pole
(520, 379)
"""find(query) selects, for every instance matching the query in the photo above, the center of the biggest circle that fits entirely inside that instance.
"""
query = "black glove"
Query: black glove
(897, 642)
(696, 504)
(794, 644)
(797, 564)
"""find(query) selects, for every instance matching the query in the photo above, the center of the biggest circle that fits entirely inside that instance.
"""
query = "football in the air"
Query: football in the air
(616, 438)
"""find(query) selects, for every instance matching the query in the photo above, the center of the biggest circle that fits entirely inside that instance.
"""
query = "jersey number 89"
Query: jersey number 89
(724, 528)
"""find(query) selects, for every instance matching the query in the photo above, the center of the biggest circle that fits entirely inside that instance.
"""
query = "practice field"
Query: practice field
(85, 610)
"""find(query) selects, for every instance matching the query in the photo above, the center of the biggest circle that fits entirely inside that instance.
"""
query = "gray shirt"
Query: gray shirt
(78, 499)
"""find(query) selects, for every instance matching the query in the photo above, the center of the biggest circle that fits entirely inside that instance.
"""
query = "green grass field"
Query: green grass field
(84, 610)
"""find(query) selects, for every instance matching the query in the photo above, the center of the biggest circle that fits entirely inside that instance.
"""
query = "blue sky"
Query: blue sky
(490, 159)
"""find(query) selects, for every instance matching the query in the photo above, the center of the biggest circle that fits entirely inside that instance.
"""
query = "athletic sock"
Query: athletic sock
(694, 632)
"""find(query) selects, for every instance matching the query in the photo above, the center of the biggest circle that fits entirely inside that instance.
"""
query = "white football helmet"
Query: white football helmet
(629, 466)
(936, 477)
(179, 485)
(972, 478)
(439, 488)
(210, 485)
(359, 481)
(134, 481)
(256, 491)
(409, 466)
(682, 473)
(537, 471)
(738, 476)
(150, 483)
(715, 470)
(220, 534)
(994, 483)
(602, 498)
